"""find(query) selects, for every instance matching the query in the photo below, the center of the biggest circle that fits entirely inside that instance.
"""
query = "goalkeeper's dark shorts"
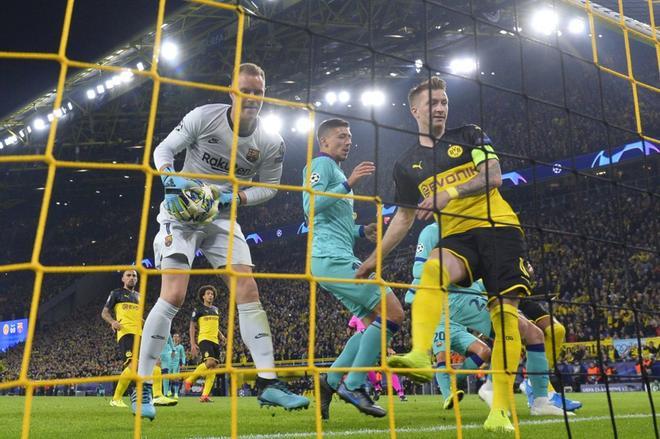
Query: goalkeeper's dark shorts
(495, 255)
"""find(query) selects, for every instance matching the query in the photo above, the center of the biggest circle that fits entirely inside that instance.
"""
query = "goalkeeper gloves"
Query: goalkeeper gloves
(225, 199)
(173, 185)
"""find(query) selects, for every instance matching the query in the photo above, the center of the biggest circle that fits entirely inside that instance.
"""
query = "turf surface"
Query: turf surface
(420, 417)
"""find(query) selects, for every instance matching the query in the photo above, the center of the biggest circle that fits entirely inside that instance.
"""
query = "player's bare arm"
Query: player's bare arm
(489, 176)
(401, 223)
(194, 349)
(114, 324)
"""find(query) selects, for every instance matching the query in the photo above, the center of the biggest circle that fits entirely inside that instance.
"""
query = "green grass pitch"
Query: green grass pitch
(420, 417)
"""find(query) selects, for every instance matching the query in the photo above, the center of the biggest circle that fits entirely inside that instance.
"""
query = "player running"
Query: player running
(467, 309)
(206, 134)
(457, 173)
(207, 319)
(335, 233)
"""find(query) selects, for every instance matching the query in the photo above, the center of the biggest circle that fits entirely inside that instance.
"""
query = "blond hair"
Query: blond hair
(433, 83)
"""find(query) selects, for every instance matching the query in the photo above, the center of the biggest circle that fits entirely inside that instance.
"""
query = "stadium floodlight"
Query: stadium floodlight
(372, 98)
(576, 26)
(29, 129)
(140, 66)
(545, 21)
(11, 140)
(69, 105)
(100, 89)
(272, 123)
(331, 97)
(169, 51)
(39, 124)
(303, 124)
(58, 112)
(91, 94)
(344, 96)
(126, 76)
(50, 117)
(109, 84)
(462, 65)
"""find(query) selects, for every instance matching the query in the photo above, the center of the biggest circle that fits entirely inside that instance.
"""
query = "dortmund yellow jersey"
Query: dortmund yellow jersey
(124, 304)
(208, 323)
(421, 171)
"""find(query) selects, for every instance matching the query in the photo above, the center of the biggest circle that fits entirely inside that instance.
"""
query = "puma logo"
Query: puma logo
(417, 165)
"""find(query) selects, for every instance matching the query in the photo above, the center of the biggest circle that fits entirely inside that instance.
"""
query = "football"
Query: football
(201, 203)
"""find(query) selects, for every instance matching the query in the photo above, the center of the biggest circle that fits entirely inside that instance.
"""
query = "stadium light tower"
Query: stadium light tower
(344, 96)
(576, 26)
(372, 98)
(545, 21)
(462, 66)
(303, 125)
(331, 97)
(169, 51)
(272, 123)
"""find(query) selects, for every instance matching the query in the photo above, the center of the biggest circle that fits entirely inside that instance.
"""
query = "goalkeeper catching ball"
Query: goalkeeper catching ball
(206, 134)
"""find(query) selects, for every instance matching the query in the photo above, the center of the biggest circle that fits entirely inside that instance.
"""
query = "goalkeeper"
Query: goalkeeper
(206, 134)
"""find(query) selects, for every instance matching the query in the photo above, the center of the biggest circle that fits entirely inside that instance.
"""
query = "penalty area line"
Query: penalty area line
(439, 428)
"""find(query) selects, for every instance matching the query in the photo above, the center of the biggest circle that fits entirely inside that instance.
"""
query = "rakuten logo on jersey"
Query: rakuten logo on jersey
(222, 164)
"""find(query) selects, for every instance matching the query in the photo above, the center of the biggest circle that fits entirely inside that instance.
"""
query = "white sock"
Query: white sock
(255, 333)
(154, 335)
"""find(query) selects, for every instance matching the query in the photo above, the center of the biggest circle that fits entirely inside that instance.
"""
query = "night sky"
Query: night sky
(97, 27)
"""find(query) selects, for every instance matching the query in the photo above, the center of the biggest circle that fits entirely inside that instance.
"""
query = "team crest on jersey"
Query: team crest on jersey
(455, 151)
(168, 240)
(252, 155)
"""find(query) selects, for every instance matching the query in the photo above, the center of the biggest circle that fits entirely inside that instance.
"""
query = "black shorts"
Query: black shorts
(208, 349)
(533, 310)
(494, 254)
(126, 348)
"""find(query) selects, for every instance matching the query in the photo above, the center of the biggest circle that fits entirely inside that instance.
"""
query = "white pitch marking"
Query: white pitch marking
(439, 428)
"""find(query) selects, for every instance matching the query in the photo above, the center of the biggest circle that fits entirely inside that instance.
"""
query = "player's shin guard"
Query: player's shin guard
(256, 335)
(345, 359)
(369, 351)
(427, 307)
(122, 384)
(158, 382)
(154, 335)
(537, 367)
(504, 317)
(208, 384)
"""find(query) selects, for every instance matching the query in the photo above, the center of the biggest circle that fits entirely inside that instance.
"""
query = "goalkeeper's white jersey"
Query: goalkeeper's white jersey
(206, 134)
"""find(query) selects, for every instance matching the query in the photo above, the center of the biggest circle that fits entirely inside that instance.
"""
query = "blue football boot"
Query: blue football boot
(148, 410)
(276, 393)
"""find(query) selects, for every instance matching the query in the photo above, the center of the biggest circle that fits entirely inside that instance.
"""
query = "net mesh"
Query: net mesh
(532, 99)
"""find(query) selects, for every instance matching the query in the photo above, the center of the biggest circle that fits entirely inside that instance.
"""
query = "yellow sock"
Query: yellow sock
(503, 383)
(427, 307)
(122, 384)
(158, 382)
(560, 336)
(201, 368)
(208, 384)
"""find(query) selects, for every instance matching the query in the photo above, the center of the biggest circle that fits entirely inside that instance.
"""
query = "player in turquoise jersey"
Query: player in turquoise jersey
(335, 233)
(468, 312)
(177, 360)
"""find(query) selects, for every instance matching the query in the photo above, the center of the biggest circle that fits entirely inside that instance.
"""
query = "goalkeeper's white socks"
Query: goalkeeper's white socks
(256, 335)
(154, 335)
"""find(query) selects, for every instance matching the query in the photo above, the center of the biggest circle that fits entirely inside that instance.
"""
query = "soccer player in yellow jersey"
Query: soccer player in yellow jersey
(206, 318)
(123, 302)
(457, 173)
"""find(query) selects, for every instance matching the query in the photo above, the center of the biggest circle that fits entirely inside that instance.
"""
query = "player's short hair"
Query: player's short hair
(434, 83)
(252, 69)
(203, 289)
(329, 124)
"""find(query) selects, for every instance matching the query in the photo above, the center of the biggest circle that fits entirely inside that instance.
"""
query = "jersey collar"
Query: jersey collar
(325, 154)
